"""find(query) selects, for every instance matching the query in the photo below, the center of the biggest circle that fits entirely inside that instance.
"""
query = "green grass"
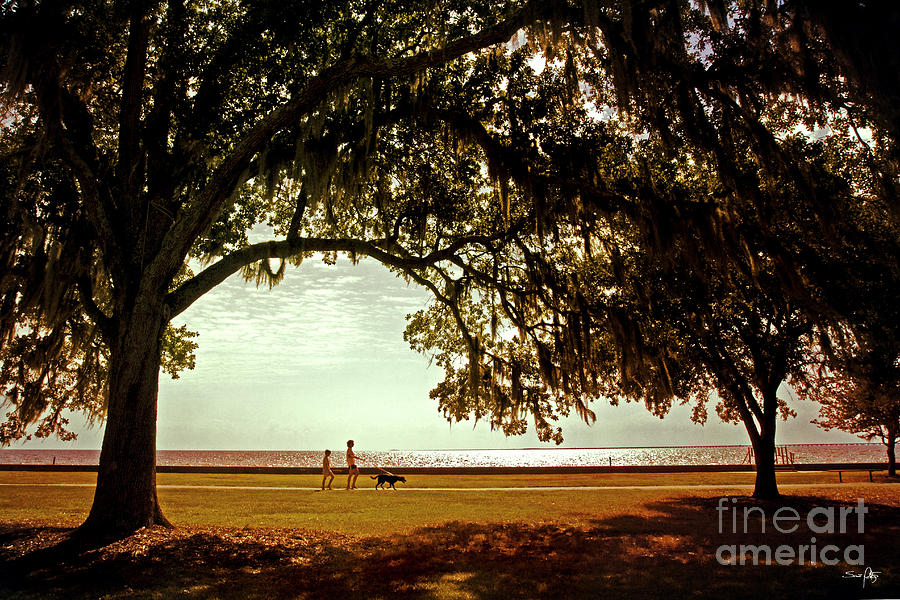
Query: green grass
(368, 512)
(619, 541)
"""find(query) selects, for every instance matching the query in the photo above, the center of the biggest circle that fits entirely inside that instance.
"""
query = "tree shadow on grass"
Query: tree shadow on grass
(666, 549)
(712, 531)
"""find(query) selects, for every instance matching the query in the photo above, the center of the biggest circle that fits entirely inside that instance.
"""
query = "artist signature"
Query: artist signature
(866, 576)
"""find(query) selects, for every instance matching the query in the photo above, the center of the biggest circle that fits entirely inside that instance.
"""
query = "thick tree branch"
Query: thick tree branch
(390, 255)
(210, 277)
(160, 181)
(200, 215)
(297, 218)
(129, 160)
(730, 375)
(471, 343)
(86, 292)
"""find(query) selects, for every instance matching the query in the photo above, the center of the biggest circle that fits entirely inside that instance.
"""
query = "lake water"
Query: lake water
(533, 457)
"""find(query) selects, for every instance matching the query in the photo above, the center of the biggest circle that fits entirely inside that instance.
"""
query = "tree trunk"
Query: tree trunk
(892, 458)
(125, 497)
(765, 488)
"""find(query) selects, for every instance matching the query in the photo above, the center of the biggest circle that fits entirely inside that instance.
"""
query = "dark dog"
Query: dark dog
(389, 479)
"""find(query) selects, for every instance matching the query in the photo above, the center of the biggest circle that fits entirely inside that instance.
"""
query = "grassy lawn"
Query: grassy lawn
(633, 536)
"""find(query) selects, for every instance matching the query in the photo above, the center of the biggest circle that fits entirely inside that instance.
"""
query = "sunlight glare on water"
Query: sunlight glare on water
(531, 457)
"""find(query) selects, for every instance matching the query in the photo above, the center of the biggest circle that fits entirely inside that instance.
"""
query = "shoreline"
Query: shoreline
(545, 470)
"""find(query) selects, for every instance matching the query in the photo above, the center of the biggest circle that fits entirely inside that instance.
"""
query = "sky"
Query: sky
(320, 359)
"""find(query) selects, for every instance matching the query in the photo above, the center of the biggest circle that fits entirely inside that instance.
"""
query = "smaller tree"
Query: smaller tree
(856, 379)
(860, 396)
(691, 331)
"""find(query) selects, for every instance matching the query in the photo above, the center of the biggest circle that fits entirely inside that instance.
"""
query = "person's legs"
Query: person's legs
(330, 480)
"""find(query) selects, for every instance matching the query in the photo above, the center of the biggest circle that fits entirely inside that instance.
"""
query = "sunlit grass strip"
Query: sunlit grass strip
(449, 481)
(366, 512)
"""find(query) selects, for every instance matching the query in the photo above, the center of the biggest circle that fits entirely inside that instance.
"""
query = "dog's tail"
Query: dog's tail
(376, 477)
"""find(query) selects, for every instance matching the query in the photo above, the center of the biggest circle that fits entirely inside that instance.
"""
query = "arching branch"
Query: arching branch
(191, 290)
(200, 214)
(86, 293)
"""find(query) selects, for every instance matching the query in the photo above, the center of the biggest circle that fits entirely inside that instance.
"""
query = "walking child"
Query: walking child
(352, 469)
(327, 473)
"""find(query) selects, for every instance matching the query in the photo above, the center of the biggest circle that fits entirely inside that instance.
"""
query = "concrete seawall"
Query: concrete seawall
(464, 470)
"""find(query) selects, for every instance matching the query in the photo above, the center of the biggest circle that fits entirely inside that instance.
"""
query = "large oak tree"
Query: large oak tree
(142, 134)
(711, 192)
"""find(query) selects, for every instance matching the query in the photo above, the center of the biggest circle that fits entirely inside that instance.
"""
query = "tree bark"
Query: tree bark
(125, 498)
(892, 457)
(765, 487)
(760, 426)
